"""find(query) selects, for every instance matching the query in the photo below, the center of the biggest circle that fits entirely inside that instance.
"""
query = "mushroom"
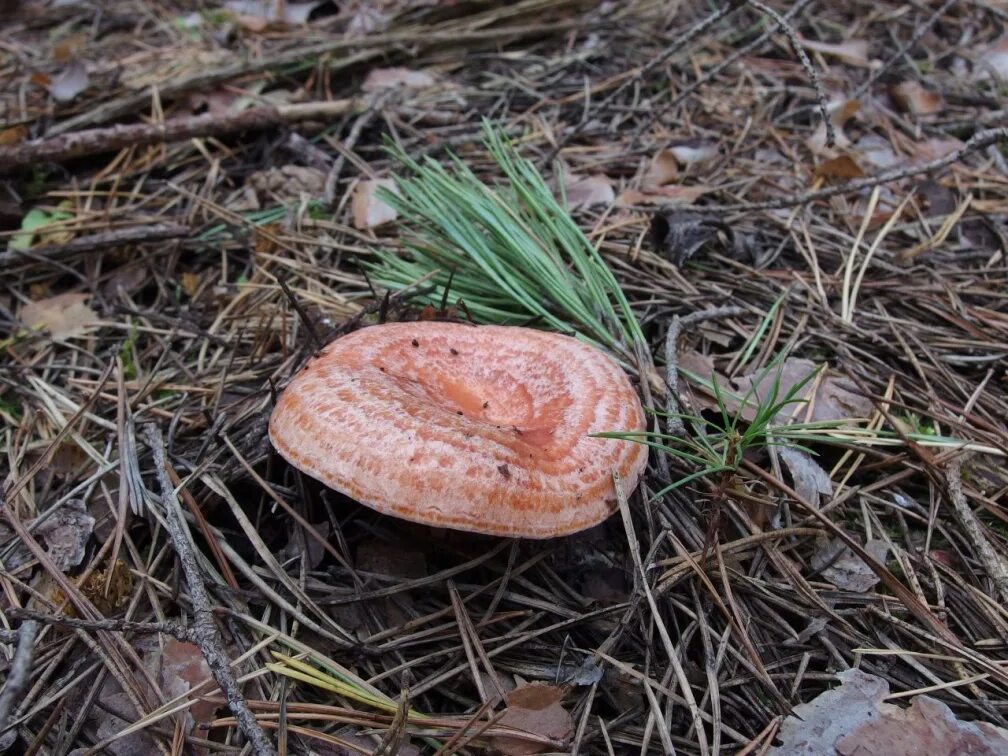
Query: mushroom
(479, 428)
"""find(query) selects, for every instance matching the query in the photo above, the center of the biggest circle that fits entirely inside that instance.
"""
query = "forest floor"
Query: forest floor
(186, 203)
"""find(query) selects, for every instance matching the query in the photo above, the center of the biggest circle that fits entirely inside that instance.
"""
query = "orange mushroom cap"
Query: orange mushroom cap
(478, 428)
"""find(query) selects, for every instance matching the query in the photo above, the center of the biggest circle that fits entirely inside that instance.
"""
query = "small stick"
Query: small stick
(20, 667)
(174, 629)
(94, 141)
(117, 237)
(995, 564)
(205, 634)
(979, 141)
(675, 424)
(806, 64)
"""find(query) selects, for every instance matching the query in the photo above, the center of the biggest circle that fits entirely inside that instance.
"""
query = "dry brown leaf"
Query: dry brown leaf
(63, 316)
(810, 480)
(828, 398)
(65, 533)
(853, 51)
(182, 668)
(840, 112)
(367, 209)
(664, 169)
(585, 191)
(934, 149)
(534, 708)
(854, 720)
(841, 167)
(13, 135)
(68, 47)
(845, 569)
(387, 78)
(663, 195)
(911, 97)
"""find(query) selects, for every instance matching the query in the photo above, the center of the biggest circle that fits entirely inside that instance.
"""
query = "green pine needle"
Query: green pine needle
(512, 251)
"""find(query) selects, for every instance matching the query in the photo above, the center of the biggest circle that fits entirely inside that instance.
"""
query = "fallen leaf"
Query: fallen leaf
(257, 15)
(63, 316)
(313, 551)
(368, 210)
(911, 97)
(368, 16)
(289, 181)
(853, 51)
(810, 480)
(585, 191)
(607, 585)
(384, 558)
(938, 200)
(829, 399)
(845, 569)
(115, 713)
(680, 234)
(67, 459)
(190, 283)
(13, 135)
(664, 169)
(536, 709)
(65, 533)
(693, 152)
(841, 167)
(32, 224)
(854, 720)
(993, 59)
(69, 82)
(840, 111)
(878, 151)
(934, 149)
(820, 400)
(387, 78)
(663, 195)
(182, 667)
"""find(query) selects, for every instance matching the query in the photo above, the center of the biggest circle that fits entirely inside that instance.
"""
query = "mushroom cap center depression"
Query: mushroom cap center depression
(489, 396)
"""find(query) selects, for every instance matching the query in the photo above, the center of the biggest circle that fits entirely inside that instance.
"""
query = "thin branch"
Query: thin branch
(675, 423)
(116, 237)
(979, 141)
(56, 149)
(205, 634)
(174, 629)
(20, 666)
(806, 64)
(994, 563)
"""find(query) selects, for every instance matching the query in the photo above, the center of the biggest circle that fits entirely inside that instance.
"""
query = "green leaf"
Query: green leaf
(34, 221)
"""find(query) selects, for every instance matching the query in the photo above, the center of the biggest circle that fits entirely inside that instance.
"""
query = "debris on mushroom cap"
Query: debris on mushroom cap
(478, 428)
